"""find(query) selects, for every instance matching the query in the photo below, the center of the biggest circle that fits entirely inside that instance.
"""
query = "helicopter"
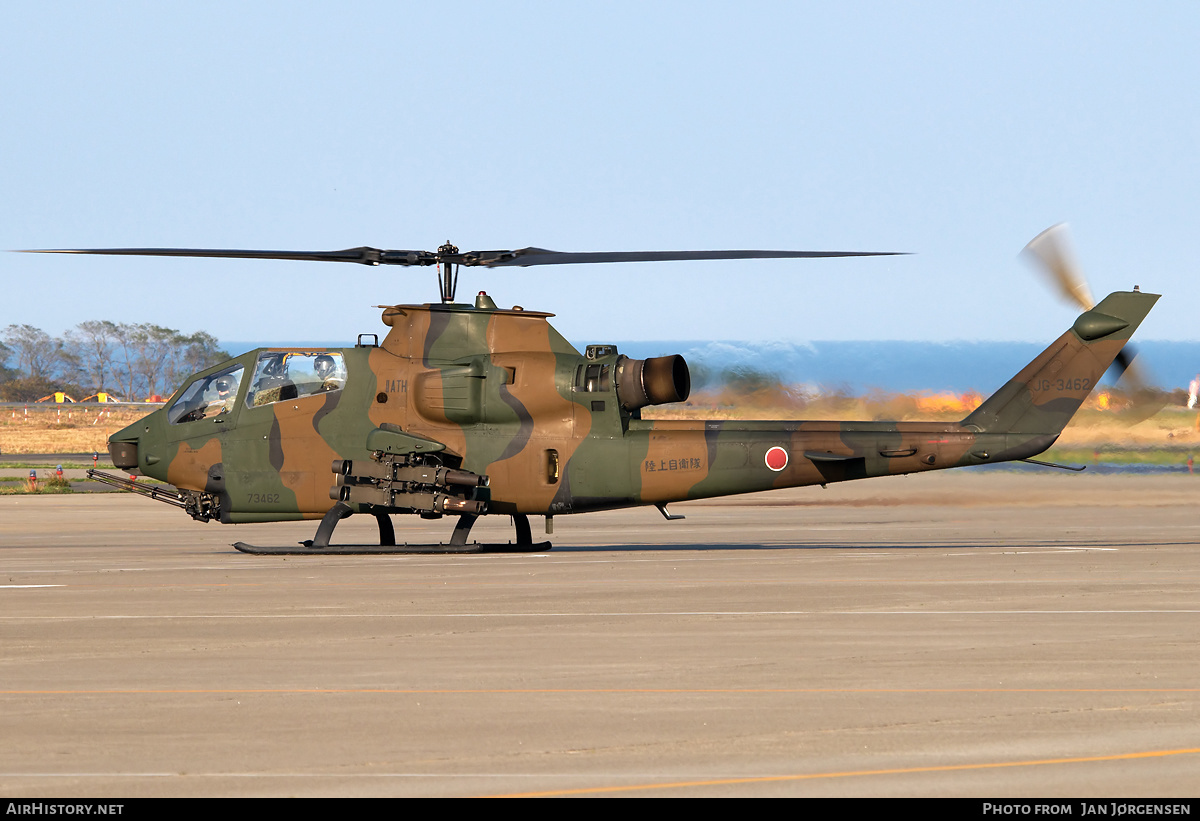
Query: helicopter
(470, 409)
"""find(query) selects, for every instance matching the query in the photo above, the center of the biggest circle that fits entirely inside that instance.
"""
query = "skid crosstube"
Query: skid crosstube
(320, 545)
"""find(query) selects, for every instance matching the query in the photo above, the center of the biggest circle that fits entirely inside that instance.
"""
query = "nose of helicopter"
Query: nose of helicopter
(137, 447)
(124, 453)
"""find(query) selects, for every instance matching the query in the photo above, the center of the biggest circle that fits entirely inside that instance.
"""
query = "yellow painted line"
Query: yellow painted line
(604, 691)
(849, 774)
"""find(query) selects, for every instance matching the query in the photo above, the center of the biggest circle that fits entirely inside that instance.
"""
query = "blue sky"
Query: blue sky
(957, 131)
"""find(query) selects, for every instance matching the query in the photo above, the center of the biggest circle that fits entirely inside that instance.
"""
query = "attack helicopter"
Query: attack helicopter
(470, 409)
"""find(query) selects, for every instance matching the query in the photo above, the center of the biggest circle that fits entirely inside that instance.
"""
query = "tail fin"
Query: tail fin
(1042, 398)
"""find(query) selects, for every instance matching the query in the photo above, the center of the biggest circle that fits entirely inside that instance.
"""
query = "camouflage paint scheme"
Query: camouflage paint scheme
(499, 392)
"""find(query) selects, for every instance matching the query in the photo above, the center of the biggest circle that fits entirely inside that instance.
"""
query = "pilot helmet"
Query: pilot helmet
(324, 366)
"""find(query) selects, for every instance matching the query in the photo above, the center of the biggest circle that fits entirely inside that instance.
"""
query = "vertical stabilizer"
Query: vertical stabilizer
(1042, 398)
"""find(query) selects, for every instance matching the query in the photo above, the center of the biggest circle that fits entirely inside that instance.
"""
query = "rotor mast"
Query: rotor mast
(447, 271)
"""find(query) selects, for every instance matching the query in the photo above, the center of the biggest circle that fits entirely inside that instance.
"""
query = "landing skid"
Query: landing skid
(319, 545)
(379, 549)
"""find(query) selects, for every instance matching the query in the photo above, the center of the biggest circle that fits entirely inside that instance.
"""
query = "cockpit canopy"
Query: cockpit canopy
(278, 376)
(207, 396)
(284, 375)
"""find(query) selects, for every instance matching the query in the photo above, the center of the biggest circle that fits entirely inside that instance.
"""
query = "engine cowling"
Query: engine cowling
(654, 381)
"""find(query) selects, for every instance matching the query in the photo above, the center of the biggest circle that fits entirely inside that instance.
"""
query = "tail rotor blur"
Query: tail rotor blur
(1052, 254)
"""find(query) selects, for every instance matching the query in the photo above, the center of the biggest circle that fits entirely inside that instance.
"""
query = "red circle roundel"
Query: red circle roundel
(777, 458)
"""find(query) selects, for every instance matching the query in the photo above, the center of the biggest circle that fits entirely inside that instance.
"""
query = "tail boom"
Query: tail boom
(674, 461)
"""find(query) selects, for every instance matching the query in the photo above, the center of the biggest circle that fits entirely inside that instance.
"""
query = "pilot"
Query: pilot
(326, 371)
(226, 385)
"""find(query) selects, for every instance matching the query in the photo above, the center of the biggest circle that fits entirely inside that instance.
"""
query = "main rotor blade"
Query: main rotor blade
(363, 255)
(540, 256)
(523, 257)
(1052, 254)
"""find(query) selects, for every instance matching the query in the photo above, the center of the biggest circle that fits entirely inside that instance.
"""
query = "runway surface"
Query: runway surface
(957, 634)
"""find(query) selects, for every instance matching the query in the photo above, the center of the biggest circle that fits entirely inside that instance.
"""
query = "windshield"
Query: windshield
(207, 396)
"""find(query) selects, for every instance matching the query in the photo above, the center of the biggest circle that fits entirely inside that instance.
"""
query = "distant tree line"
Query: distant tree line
(131, 360)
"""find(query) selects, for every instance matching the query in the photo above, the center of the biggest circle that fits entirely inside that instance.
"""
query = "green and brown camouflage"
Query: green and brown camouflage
(472, 409)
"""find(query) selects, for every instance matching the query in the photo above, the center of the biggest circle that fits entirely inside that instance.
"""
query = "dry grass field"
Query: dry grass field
(1167, 436)
(62, 428)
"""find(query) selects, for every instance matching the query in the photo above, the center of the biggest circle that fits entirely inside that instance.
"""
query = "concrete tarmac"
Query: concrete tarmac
(963, 633)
